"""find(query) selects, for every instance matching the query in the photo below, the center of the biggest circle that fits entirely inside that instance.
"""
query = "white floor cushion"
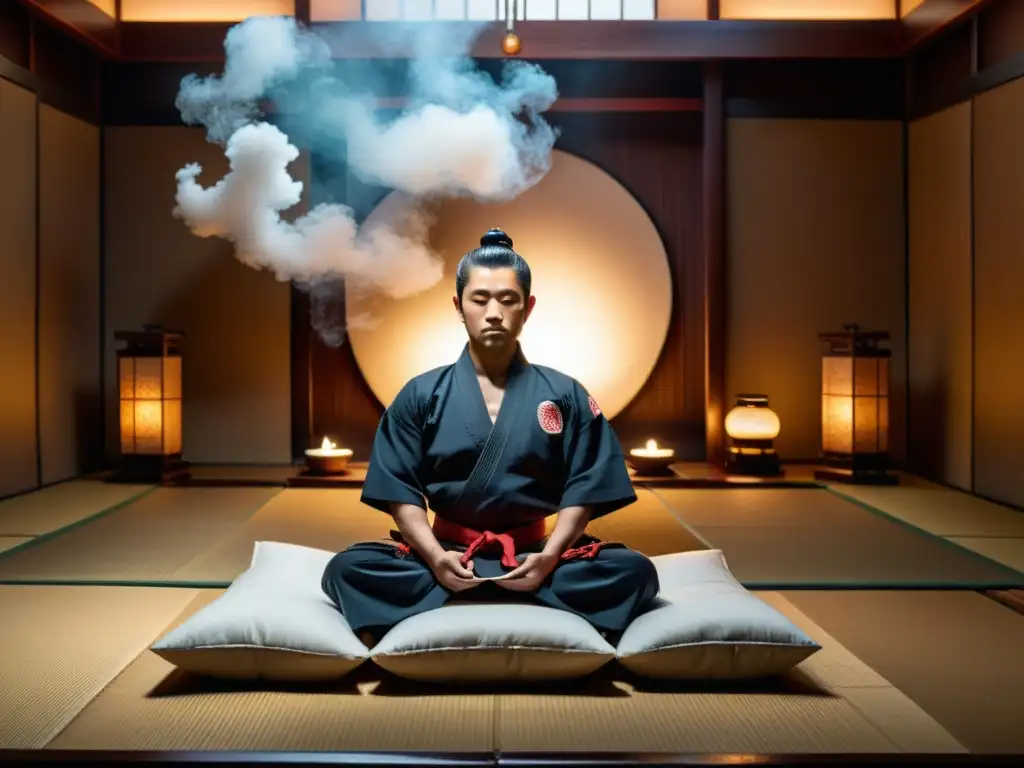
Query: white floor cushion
(708, 626)
(274, 622)
(492, 642)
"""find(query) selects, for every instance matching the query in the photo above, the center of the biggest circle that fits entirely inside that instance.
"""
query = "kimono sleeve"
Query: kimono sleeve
(596, 474)
(393, 475)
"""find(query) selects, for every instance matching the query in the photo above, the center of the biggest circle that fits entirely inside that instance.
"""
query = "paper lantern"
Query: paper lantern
(855, 407)
(752, 427)
(149, 391)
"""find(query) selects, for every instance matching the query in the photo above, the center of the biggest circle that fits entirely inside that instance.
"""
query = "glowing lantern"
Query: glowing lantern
(855, 407)
(752, 428)
(149, 388)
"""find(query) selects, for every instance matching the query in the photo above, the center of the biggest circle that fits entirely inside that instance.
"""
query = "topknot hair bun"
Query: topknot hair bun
(496, 237)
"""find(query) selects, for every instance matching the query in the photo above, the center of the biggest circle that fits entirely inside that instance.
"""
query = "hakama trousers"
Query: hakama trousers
(377, 584)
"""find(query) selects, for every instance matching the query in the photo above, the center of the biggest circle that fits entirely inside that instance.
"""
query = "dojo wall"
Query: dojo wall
(941, 302)
(236, 375)
(69, 295)
(49, 292)
(815, 239)
(19, 435)
(966, 270)
(999, 293)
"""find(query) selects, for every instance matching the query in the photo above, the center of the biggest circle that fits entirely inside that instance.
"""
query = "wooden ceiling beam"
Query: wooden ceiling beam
(621, 40)
(81, 19)
(932, 17)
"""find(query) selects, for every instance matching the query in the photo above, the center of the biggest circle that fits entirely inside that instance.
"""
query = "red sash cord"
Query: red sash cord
(586, 552)
(509, 541)
(476, 541)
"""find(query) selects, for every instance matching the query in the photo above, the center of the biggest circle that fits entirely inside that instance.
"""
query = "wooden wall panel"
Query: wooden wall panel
(940, 304)
(69, 296)
(998, 276)
(18, 428)
(815, 239)
(237, 393)
(1000, 32)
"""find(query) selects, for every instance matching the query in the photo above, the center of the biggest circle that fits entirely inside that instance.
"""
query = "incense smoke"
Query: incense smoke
(459, 133)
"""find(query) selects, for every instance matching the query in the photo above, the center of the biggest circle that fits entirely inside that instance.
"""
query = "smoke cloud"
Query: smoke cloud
(458, 134)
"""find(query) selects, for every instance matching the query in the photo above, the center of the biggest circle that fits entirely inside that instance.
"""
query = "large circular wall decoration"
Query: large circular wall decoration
(600, 274)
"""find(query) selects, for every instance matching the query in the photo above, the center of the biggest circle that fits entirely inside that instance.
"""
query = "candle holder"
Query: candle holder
(328, 459)
(652, 461)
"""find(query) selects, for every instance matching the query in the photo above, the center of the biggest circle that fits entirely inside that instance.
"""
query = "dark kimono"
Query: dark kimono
(549, 449)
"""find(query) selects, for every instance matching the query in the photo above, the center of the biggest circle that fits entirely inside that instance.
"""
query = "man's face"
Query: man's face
(493, 306)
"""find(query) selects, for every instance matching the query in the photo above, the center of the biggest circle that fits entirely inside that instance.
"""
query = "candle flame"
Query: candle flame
(327, 445)
(652, 445)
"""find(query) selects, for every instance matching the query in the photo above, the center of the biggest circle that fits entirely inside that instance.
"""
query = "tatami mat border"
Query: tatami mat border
(917, 529)
(50, 535)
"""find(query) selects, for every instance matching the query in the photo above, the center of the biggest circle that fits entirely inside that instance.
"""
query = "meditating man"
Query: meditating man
(493, 445)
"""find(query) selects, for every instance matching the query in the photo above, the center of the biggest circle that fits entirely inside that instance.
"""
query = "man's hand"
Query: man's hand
(451, 573)
(530, 574)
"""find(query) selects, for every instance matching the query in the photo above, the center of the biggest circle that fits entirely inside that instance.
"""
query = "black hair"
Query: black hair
(495, 251)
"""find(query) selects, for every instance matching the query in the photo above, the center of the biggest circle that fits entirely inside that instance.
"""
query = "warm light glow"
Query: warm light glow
(682, 10)
(907, 7)
(150, 395)
(652, 451)
(488, 10)
(747, 422)
(855, 405)
(328, 448)
(511, 45)
(807, 10)
(203, 10)
(335, 10)
(600, 276)
(109, 7)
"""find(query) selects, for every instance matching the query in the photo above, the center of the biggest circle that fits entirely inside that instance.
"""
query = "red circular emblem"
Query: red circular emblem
(594, 408)
(550, 417)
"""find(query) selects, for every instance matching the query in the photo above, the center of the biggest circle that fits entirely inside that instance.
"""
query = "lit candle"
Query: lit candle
(328, 449)
(652, 460)
(652, 451)
(328, 459)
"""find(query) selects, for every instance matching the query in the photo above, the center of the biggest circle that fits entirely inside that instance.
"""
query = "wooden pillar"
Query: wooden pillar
(714, 261)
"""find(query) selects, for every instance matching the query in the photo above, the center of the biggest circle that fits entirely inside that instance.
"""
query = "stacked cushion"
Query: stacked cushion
(275, 623)
(708, 626)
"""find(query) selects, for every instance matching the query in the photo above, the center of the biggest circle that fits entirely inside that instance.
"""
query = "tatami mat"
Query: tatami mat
(324, 518)
(10, 542)
(834, 703)
(151, 706)
(764, 508)
(57, 506)
(940, 511)
(61, 646)
(647, 526)
(814, 538)
(146, 541)
(205, 536)
(334, 519)
(957, 654)
(1009, 552)
(264, 474)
